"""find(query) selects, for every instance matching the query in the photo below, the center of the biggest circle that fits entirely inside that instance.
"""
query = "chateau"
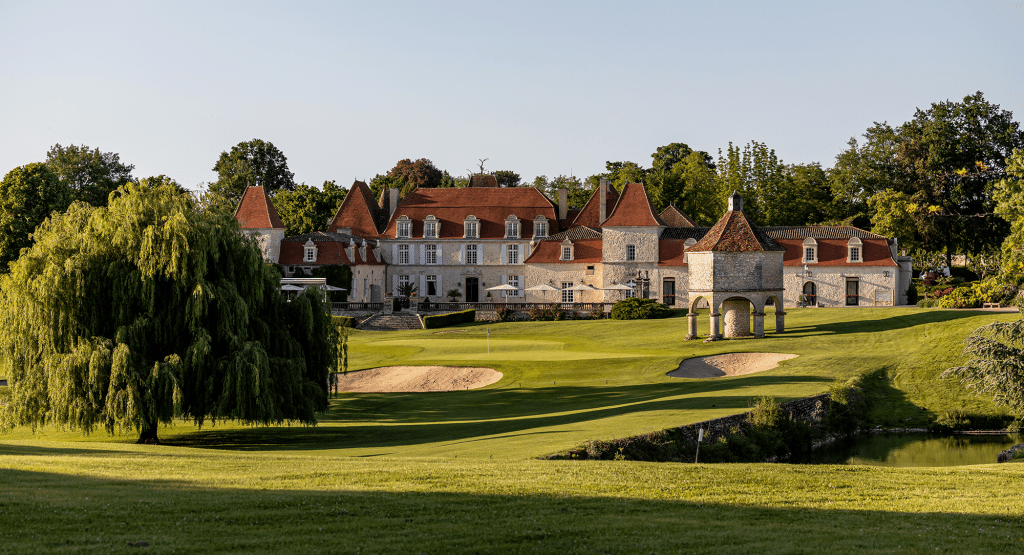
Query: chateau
(475, 238)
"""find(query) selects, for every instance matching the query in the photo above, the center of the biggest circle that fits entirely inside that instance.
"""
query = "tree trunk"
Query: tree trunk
(148, 435)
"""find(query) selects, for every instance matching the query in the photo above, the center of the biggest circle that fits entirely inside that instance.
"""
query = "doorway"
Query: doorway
(852, 295)
(472, 290)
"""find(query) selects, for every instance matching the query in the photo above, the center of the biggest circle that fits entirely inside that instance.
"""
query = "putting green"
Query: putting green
(501, 349)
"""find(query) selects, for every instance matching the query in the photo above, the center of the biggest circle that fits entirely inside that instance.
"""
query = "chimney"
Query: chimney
(603, 191)
(392, 201)
(735, 202)
(563, 203)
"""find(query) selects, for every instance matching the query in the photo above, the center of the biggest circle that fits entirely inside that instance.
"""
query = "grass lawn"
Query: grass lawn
(453, 472)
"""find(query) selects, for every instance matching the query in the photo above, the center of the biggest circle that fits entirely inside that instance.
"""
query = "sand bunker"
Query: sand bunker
(729, 364)
(399, 379)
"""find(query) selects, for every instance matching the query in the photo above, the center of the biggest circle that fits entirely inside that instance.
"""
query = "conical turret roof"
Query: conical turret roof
(734, 232)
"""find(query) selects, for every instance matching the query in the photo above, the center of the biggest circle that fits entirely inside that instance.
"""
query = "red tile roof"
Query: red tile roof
(833, 252)
(330, 250)
(735, 233)
(675, 217)
(256, 211)
(590, 215)
(479, 180)
(358, 212)
(451, 206)
(671, 252)
(633, 208)
(586, 251)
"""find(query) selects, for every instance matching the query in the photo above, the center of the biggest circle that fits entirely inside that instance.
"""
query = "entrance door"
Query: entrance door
(852, 297)
(374, 293)
(811, 293)
(668, 292)
(472, 290)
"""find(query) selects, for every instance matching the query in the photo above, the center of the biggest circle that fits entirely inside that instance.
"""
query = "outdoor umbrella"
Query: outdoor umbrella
(290, 287)
(542, 287)
(503, 287)
(333, 288)
(581, 287)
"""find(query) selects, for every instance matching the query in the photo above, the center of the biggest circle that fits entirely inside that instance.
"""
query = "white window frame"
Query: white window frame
(540, 228)
(471, 227)
(566, 250)
(568, 295)
(472, 254)
(854, 251)
(404, 255)
(630, 253)
(513, 281)
(403, 280)
(512, 254)
(512, 228)
(309, 251)
(810, 246)
(403, 229)
(631, 292)
(431, 279)
(431, 228)
(430, 256)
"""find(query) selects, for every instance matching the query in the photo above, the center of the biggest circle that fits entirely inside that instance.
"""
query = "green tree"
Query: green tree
(421, 173)
(91, 175)
(899, 215)
(1009, 196)
(251, 163)
(757, 174)
(307, 209)
(577, 194)
(802, 198)
(28, 195)
(507, 178)
(153, 309)
(694, 188)
(996, 367)
(381, 183)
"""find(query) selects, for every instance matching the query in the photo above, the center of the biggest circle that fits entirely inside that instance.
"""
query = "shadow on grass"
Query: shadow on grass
(48, 512)
(33, 450)
(365, 420)
(872, 325)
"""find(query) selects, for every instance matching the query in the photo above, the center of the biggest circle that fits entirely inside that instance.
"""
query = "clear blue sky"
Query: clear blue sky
(541, 88)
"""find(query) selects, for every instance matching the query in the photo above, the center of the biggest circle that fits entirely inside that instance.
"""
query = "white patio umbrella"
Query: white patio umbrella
(333, 288)
(617, 287)
(503, 287)
(542, 287)
(581, 287)
(290, 287)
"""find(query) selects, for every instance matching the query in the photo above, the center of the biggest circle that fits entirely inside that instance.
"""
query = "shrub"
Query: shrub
(450, 319)
(639, 309)
(344, 321)
(912, 294)
(505, 313)
(597, 313)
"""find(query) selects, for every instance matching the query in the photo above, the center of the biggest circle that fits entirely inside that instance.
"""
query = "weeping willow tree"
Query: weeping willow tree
(152, 309)
(997, 366)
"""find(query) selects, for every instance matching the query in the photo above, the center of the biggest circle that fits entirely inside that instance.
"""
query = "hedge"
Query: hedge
(344, 321)
(450, 319)
(639, 309)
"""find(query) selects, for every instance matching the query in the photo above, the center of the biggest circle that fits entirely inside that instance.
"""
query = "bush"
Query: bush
(505, 313)
(450, 319)
(597, 313)
(976, 294)
(640, 309)
(344, 321)
(912, 294)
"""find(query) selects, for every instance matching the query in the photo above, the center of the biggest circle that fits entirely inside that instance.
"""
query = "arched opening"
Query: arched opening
(810, 294)
(699, 302)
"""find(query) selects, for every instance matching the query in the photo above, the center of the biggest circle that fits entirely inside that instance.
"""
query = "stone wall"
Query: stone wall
(269, 240)
(645, 239)
(831, 284)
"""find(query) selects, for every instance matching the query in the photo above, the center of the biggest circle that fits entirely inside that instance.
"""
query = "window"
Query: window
(514, 282)
(852, 292)
(404, 228)
(853, 250)
(471, 228)
(540, 229)
(431, 254)
(810, 251)
(566, 252)
(631, 292)
(512, 254)
(310, 255)
(403, 284)
(471, 254)
(810, 293)
(431, 286)
(567, 294)
(590, 270)
(430, 228)
(403, 254)
(512, 228)
(630, 252)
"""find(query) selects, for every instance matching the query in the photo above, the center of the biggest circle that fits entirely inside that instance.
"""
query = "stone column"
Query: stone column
(714, 325)
(758, 324)
(780, 320)
(388, 304)
(692, 322)
(737, 318)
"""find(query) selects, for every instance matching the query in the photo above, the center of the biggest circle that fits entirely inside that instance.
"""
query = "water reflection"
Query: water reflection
(916, 450)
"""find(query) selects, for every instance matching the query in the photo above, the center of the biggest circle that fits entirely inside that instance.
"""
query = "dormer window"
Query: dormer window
(540, 227)
(566, 250)
(810, 251)
(404, 230)
(471, 227)
(853, 251)
(431, 228)
(310, 252)
(512, 227)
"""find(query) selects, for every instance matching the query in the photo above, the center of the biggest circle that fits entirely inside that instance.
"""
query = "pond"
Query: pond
(916, 449)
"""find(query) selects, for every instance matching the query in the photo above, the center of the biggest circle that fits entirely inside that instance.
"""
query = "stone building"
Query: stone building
(466, 240)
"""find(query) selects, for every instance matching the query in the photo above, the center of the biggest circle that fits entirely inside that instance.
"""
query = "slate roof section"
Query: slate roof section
(256, 210)
(590, 215)
(675, 217)
(451, 206)
(359, 212)
(734, 232)
(330, 250)
(820, 232)
(633, 208)
(578, 233)
(684, 233)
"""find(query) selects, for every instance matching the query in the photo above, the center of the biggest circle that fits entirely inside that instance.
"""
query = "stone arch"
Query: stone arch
(695, 302)
(809, 290)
